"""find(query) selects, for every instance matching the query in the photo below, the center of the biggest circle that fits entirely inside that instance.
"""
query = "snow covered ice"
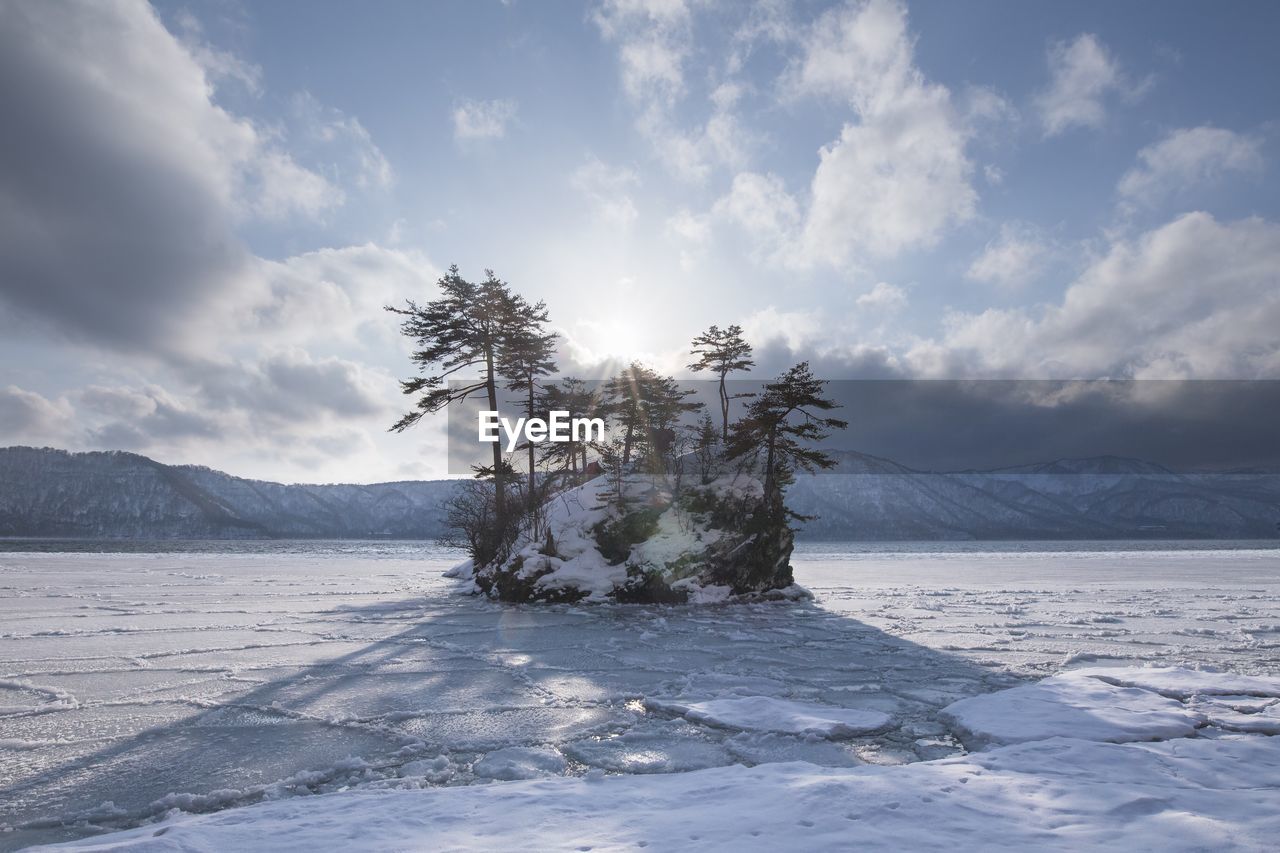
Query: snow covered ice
(209, 696)
(766, 714)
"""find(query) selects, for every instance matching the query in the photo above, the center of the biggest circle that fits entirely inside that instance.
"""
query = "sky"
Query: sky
(205, 205)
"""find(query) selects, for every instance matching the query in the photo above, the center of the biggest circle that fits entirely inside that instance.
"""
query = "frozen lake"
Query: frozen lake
(132, 683)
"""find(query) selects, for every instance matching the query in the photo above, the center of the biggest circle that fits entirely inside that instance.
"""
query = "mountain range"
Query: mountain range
(58, 494)
(116, 495)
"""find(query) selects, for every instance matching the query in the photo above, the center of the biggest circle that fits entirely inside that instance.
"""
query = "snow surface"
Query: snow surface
(1056, 794)
(1182, 683)
(136, 684)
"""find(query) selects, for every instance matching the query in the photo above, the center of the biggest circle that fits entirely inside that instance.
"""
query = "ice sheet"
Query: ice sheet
(135, 683)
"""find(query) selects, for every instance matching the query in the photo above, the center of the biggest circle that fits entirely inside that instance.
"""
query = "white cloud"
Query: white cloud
(1082, 74)
(797, 329)
(894, 179)
(783, 338)
(884, 297)
(218, 65)
(363, 161)
(858, 51)
(608, 188)
(984, 104)
(1011, 260)
(761, 206)
(1186, 158)
(478, 120)
(655, 43)
(329, 295)
(692, 235)
(690, 226)
(281, 188)
(1194, 298)
(892, 182)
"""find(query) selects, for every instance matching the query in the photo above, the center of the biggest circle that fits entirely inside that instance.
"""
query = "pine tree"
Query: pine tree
(646, 407)
(526, 357)
(573, 396)
(722, 352)
(465, 330)
(780, 424)
(623, 396)
(705, 445)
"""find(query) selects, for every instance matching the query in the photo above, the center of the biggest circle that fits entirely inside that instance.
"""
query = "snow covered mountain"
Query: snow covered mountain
(53, 493)
(1104, 497)
(45, 492)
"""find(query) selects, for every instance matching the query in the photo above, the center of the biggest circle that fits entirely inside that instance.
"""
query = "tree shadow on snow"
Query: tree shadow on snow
(434, 682)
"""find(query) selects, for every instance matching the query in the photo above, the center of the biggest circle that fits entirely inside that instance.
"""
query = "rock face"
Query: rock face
(649, 539)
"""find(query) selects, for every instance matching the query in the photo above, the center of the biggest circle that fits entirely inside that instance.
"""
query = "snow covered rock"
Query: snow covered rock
(767, 714)
(649, 538)
(1074, 705)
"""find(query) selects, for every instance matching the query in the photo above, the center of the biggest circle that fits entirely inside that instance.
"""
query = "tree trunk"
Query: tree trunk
(530, 415)
(499, 487)
(724, 411)
(768, 469)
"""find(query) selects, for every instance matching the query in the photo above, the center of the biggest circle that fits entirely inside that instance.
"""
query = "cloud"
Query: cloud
(761, 206)
(1011, 260)
(480, 120)
(142, 419)
(982, 104)
(279, 189)
(1082, 74)
(691, 227)
(122, 184)
(895, 178)
(274, 401)
(330, 128)
(1187, 158)
(26, 415)
(608, 189)
(884, 297)
(654, 39)
(218, 65)
(332, 295)
(1194, 298)
(890, 183)
(655, 43)
(298, 386)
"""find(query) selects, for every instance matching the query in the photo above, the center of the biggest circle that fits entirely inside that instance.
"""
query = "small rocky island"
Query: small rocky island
(663, 543)
(662, 504)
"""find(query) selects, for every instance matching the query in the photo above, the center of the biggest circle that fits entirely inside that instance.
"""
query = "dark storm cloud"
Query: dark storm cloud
(113, 190)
